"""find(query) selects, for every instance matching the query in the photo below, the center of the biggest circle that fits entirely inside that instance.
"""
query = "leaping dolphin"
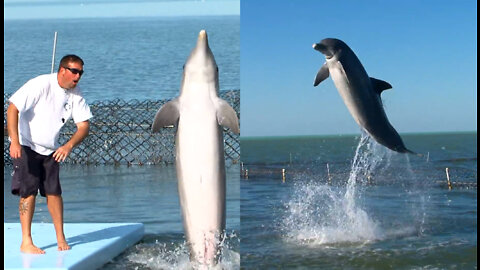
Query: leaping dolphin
(199, 115)
(360, 92)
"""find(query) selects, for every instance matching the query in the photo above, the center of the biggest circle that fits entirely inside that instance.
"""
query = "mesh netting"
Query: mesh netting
(120, 133)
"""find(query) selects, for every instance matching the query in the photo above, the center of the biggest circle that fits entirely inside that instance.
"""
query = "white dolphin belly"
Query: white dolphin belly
(344, 89)
(201, 178)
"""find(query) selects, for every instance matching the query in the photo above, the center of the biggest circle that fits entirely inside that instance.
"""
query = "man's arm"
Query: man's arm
(65, 150)
(12, 126)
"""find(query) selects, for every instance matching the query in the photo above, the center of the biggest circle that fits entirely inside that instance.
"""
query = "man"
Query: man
(37, 112)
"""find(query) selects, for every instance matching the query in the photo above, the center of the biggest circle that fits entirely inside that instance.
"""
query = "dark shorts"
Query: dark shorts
(32, 172)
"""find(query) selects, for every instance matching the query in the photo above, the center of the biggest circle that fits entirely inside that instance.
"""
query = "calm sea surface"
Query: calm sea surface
(130, 58)
(343, 204)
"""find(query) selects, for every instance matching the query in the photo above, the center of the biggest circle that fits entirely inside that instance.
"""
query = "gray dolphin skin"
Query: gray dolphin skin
(360, 93)
(199, 115)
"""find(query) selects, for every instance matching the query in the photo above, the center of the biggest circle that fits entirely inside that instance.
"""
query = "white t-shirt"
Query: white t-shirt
(44, 107)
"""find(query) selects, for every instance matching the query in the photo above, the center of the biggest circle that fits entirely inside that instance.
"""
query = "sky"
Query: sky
(54, 9)
(427, 50)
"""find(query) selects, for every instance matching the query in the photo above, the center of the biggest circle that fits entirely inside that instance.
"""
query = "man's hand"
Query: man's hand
(62, 153)
(82, 131)
(12, 126)
(15, 150)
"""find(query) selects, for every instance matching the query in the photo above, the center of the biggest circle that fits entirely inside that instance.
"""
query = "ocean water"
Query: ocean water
(127, 58)
(345, 202)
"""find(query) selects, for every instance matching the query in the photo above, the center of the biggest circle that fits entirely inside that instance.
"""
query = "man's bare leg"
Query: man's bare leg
(55, 207)
(26, 208)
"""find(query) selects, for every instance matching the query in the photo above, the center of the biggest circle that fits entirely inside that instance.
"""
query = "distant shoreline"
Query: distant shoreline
(407, 134)
(117, 9)
(152, 17)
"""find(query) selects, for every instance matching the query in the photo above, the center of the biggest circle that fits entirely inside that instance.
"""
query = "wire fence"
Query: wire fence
(120, 133)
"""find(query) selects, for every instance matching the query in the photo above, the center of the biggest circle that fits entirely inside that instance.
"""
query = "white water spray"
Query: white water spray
(319, 214)
(161, 255)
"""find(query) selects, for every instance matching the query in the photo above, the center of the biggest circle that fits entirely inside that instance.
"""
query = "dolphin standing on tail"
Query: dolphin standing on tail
(360, 92)
(199, 115)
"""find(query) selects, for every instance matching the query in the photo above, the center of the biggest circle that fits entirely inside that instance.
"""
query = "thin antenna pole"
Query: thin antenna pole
(54, 49)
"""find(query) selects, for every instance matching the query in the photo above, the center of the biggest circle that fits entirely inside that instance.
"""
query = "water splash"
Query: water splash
(319, 214)
(160, 255)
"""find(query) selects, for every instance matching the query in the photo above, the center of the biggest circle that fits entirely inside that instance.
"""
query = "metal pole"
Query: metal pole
(448, 180)
(54, 49)
(328, 173)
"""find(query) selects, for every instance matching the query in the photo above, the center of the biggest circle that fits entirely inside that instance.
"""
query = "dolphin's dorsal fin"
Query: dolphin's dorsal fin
(379, 85)
(167, 115)
(322, 74)
(226, 116)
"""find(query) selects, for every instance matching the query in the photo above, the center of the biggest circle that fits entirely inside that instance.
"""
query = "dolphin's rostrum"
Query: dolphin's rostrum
(199, 115)
(360, 92)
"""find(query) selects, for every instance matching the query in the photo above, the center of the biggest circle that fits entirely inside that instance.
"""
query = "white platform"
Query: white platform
(92, 245)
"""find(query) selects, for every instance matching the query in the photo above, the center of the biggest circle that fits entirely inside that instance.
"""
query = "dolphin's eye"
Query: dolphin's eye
(217, 69)
(183, 67)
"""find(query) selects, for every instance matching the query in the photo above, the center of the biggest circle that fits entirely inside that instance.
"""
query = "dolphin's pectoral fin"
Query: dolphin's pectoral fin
(379, 85)
(227, 117)
(322, 74)
(167, 115)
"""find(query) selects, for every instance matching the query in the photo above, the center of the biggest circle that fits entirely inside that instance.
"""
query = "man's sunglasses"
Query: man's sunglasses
(75, 71)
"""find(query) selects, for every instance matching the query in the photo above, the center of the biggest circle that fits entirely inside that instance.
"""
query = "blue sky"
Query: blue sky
(49, 9)
(427, 50)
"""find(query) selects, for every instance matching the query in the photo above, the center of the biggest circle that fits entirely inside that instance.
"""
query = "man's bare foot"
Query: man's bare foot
(63, 246)
(31, 248)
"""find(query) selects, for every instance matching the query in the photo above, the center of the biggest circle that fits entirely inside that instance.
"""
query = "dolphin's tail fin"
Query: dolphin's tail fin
(402, 149)
(413, 153)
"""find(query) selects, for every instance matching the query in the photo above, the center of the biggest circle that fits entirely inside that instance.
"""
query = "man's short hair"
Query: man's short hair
(69, 58)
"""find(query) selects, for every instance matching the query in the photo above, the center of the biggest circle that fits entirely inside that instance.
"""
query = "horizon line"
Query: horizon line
(354, 134)
(60, 10)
